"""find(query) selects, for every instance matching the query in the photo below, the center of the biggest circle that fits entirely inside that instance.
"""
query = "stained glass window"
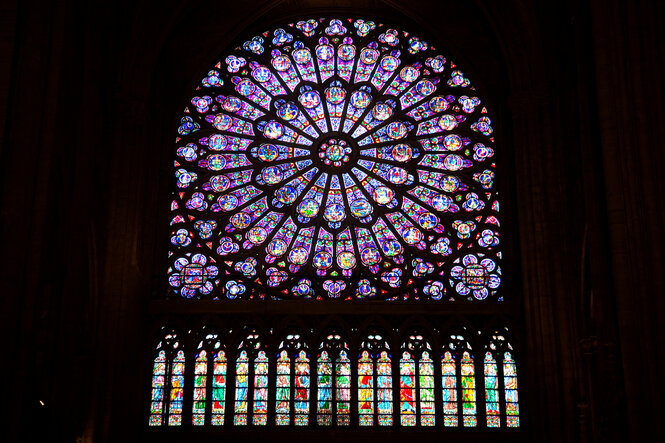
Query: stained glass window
(417, 383)
(333, 382)
(426, 388)
(375, 388)
(407, 390)
(491, 392)
(209, 381)
(251, 387)
(261, 389)
(168, 380)
(283, 387)
(283, 390)
(335, 159)
(366, 389)
(218, 389)
(177, 389)
(510, 386)
(343, 388)
(158, 379)
(200, 388)
(501, 375)
(302, 381)
(468, 390)
(449, 389)
(384, 389)
(242, 387)
(293, 383)
(325, 388)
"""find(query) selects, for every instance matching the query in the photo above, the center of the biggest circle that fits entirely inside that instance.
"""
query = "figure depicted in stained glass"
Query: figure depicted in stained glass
(242, 376)
(343, 383)
(260, 388)
(449, 383)
(218, 388)
(468, 390)
(426, 382)
(407, 388)
(283, 388)
(491, 391)
(510, 387)
(301, 405)
(325, 384)
(384, 392)
(177, 389)
(200, 386)
(158, 379)
(365, 388)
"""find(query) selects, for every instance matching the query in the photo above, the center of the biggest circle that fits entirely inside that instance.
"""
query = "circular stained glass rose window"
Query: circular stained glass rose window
(336, 150)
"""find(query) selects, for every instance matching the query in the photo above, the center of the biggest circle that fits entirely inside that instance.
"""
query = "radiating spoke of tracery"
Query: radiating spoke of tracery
(335, 159)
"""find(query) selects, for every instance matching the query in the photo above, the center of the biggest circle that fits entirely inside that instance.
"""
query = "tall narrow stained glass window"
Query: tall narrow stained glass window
(333, 382)
(260, 389)
(251, 387)
(242, 388)
(293, 383)
(158, 388)
(338, 160)
(177, 389)
(168, 379)
(416, 383)
(200, 388)
(449, 389)
(469, 410)
(209, 381)
(501, 395)
(218, 389)
(458, 383)
(375, 393)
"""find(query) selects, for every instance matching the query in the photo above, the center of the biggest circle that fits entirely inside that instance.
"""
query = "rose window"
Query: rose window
(335, 159)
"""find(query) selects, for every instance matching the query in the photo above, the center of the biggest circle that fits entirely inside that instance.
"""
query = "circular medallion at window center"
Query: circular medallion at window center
(334, 152)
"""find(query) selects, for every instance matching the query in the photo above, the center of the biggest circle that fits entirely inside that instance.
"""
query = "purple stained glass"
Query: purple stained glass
(336, 148)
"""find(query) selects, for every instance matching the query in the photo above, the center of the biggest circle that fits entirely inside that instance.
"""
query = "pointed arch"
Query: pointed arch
(501, 390)
(416, 368)
(292, 382)
(333, 382)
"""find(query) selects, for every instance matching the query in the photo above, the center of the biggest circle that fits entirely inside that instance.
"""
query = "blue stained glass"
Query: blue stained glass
(337, 147)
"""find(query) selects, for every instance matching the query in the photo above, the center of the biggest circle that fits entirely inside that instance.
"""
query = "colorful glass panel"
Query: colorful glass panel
(510, 389)
(407, 370)
(343, 389)
(426, 388)
(218, 389)
(177, 389)
(200, 387)
(283, 387)
(301, 385)
(366, 389)
(384, 389)
(260, 416)
(157, 398)
(491, 392)
(469, 418)
(260, 166)
(325, 387)
(449, 391)
(242, 386)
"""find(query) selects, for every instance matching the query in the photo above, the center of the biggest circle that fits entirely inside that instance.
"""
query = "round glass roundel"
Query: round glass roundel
(335, 154)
